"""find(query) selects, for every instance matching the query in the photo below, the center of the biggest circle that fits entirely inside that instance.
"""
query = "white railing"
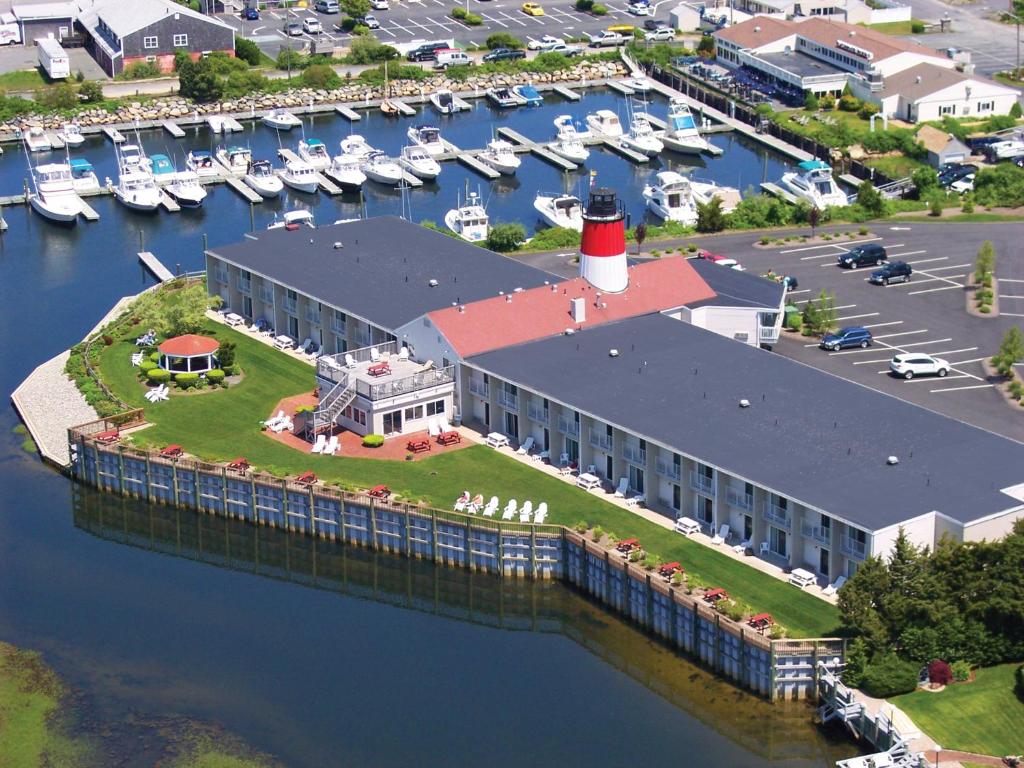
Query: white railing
(702, 483)
(768, 335)
(668, 468)
(816, 532)
(479, 387)
(853, 547)
(265, 294)
(313, 315)
(291, 305)
(740, 499)
(333, 367)
(634, 454)
(245, 286)
(568, 426)
(773, 513)
(539, 413)
(338, 326)
(508, 400)
(599, 438)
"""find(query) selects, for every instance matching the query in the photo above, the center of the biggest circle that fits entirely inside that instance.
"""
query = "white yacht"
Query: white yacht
(346, 173)
(682, 134)
(428, 137)
(235, 159)
(380, 168)
(131, 157)
(671, 199)
(567, 142)
(200, 162)
(281, 119)
(36, 140)
(54, 195)
(813, 182)
(704, 191)
(186, 189)
(605, 122)
(301, 176)
(443, 101)
(136, 189)
(293, 220)
(501, 156)
(469, 221)
(261, 177)
(356, 145)
(641, 136)
(83, 176)
(71, 134)
(560, 210)
(315, 153)
(418, 162)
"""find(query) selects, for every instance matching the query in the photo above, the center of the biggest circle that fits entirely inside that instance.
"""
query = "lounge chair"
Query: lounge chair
(462, 501)
(320, 444)
(542, 512)
(510, 510)
(281, 426)
(620, 492)
(350, 362)
(304, 346)
(542, 456)
(492, 507)
(564, 465)
(637, 500)
(722, 537)
(476, 504)
(834, 587)
(442, 422)
(403, 353)
(273, 421)
(526, 446)
(374, 355)
(432, 429)
(332, 446)
(164, 393)
(137, 358)
(742, 547)
(525, 512)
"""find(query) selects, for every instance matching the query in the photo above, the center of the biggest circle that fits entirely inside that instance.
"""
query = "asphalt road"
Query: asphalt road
(993, 45)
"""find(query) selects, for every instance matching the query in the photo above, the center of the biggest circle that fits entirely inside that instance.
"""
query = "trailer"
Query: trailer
(53, 58)
(10, 32)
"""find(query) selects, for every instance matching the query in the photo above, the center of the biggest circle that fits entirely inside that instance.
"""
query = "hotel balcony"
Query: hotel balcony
(245, 285)
(634, 454)
(507, 400)
(817, 533)
(768, 335)
(291, 306)
(776, 515)
(400, 376)
(221, 275)
(702, 483)
(853, 548)
(363, 337)
(599, 438)
(668, 468)
(569, 427)
(265, 294)
(313, 316)
(740, 500)
(338, 326)
(481, 388)
(539, 413)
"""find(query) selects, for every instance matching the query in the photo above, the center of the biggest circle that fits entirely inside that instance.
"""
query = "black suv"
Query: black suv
(892, 272)
(862, 256)
(504, 54)
(427, 52)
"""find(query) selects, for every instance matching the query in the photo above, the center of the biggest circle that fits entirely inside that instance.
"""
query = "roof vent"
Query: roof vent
(613, 353)
(917, 79)
(554, 289)
(337, 245)
(432, 283)
(853, 33)
(570, 331)
(462, 309)
(578, 309)
(744, 403)
(892, 460)
(757, 29)
(518, 290)
(508, 299)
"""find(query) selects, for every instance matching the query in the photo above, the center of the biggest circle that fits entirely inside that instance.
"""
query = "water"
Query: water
(378, 661)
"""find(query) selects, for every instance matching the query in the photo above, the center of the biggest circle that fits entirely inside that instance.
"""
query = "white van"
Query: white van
(449, 57)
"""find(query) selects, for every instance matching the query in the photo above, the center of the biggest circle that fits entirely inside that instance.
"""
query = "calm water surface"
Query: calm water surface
(315, 653)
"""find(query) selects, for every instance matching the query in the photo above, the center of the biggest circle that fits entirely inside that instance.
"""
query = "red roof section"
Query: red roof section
(189, 345)
(494, 323)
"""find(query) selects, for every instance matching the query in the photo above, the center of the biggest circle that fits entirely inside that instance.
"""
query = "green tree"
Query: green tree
(61, 96)
(504, 40)
(1015, 110)
(355, 9)
(888, 675)
(186, 314)
(506, 237)
(926, 181)
(860, 601)
(640, 234)
(856, 662)
(368, 50)
(826, 313)
(870, 200)
(935, 204)
(247, 51)
(1011, 351)
(320, 76)
(90, 92)
(967, 204)
(985, 263)
(811, 102)
(710, 217)
(706, 47)
(1002, 185)
(289, 59)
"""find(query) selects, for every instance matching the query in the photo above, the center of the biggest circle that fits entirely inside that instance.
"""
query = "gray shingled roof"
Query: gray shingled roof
(808, 435)
(383, 270)
(736, 288)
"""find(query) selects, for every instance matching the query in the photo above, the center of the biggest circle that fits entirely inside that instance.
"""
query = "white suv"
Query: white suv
(311, 26)
(918, 364)
(544, 43)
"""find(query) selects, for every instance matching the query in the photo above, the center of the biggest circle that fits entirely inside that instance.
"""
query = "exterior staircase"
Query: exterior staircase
(333, 403)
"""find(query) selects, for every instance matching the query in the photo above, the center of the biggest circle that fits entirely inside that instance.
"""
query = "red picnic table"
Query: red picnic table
(380, 492)
(627, 544)
(761, 622)
(306, 477)
(240, 464)
(172, 451)
(415, 446)
(110, 436)
(449, 438)
(668, 569)
(714, 595)
(380, 369)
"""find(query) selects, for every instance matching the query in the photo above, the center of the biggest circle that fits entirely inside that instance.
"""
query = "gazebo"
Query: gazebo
(189, 354)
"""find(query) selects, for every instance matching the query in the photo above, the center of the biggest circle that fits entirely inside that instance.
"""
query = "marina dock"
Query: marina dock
(88, 212)
(173, 128)
(539, 150)
(55, 141)
(349, 114)
(404, 108)
(620, 87)
(168, 203)
(231, 124)
(850, 180)
(619, 148)
(113, 134)
(158, 270)
(243, 189)
(460, 104)
(774, 189)
(328, 186)
(472, 163)
(566, 93)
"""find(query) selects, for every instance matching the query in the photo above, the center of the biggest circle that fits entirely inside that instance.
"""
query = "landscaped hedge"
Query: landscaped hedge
(146, 366)
(186, 380)
(158, 375)
(1018, 688)
(155, 356)
(890, 675)
(373, 441)
(216, 376)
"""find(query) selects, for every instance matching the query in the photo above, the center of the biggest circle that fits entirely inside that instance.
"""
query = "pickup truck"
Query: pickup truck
(565, 50)
(607, 37)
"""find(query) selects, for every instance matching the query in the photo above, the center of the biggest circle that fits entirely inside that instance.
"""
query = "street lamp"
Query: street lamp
(937, 750)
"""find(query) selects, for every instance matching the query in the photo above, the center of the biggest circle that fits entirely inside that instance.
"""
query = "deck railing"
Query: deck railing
(599, 438)
(668, 468)
(740, 499)
(433, 377)
(702, 483)
(773, 513)
(479, 387)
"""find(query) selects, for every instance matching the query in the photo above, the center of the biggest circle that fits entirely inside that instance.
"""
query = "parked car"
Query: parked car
(369, 21)
(862, 256)
(638, 9)
(311, 26)
(452, 58)
(653, 24)
(379, 5)
(327, 6)
(426, 52)
(978, 143)
(964, 185)
(504, 54)
(566, 50)
(954, 172)
(533, 9)
(853, 336)
(892, 272)
(250, 14)
(918, 364)
(662, 34)
(544, 43)
(293, 29)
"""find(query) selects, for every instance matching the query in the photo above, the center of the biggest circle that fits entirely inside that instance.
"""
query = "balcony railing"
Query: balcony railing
(338, 326)
(221, 275)
(702, 483)
(332, 366)
(435, 377)
(768, 335)
(669, 469)
(539, 413)
(741, 499)
(244, 285)
(508, 400)
(853, 547)
(773, 513)
(265, 294)
(362, 338)
(313, 316)
(816, 532)
(569, 427)
(291, 306)
(599, 438)
(478, 387)
(634, 454)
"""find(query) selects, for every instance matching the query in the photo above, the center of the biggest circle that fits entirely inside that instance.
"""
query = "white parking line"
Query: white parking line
(520, 22)
(929, 279)
(829, 245)
(820, 255)
(965, 362)
(1009, 280)
(854, 317)
(924, 343)
(1009, 296)
(882, 325)
(948, 266)
(932, 290)
(902, 333)
(499, 22)
(872, 362)
(802, 290)
(930, 379)
(953, 351)
(960, 389)
(892, 256)
(925, 261)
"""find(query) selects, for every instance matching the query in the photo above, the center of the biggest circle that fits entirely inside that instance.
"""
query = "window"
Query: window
(150, 42)
(356, 415)
(416, 412)
(180, 41)
(986, 106)
(435, 408)
(949, 110)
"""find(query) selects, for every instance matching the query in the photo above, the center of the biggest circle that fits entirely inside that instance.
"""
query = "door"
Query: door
(609, 467)
(777, 541)
(547, 439)
(487, 414)
(823, 562)
(748, 528)
(636, 479)
(572, 449)
(392, 422)
(293, 327)
(247, 306)
(704, 510)
(512, 425)
(677, 497)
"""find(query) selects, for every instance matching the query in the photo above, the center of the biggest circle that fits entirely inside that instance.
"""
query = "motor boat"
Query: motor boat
(183, 187)
(380, 168)
(314, 152)
(641, 138)
(346, 173)
(417, 162)
(54, 195)
(704, 191)
(356, 145)
(503, 98)
(469, 221)
(293, 220)
(564, 211)
(235, 159)
(36, 140)
(567, 143)
(529, 95)
(131, 157)
(281, 120)
(605, 122)
(163, 169)
(639, 84)
(261, 177)
(681, 133)
(444, 102)
(301, 176)
(137, 190)
(71, 134)
(428, 137)
(500, 155)
(671, 199)
(389, 108)
(813, 182)
(83, 176)
(201, 163)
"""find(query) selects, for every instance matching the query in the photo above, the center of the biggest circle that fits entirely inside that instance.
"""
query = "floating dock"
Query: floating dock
(113, 134)
(566, 93)
(173, 128)
(617, 147)
(774, 189)
(158, 270)
(850, 179)
(404, 108)
(480, 167)
(327, 185)
(621, 87)
(348, 113)
(56, 142)
(168, 203)
(230, 124)
(411, 179)
(243, 189)
(460, 104)
(87, 211)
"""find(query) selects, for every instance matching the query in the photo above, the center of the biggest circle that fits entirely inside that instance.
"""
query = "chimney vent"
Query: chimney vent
(578, 310)
(508, 299)
(462, 309)
(892, 460)
(432, 283)
(744, 403)
(757, 29)
(613, 353)
(337, 245)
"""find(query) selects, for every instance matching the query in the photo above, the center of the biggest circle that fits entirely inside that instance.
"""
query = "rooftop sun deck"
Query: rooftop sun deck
(381, 371)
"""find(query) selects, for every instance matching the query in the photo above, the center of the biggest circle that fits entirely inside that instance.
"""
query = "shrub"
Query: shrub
(706, 47)
(226, 354)
(289, 58)
(961, 671)
(320, 76)
(866, 111)
(146, 366)
(368, 50)
(155, 356)
(216, 376)
(472, 19)
(967, 205)
(373, 441)
(584, 5)
(828, 101)
(581, 526)
(555, 237)
(186, 380)
(503, 40)
(247, 51)
(939, 672)
(710, 217)
(598, 10)
(917, 27)
(1016, 111)
(158, 375)
(1016, 389)
(636, 555)
(140, 70)
(794, 322)
(458, 12)
(889, 675)
(811, 102)
(506, 237)
(597, 533)
(849, 103)
(90, 92)
(935, 206)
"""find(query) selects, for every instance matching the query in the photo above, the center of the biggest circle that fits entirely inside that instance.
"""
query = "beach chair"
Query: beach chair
(476, 504)
(304, 346)
(764, 548)
(137, 358)
(403, 353)
(442, 422)
(623, 487)
(510, 510)
(350, 362)
(722, 536)
(834, 587)
(152, 395)
(525, 512)
(374, 355)
(273, 420)
(320, 444)
(542, 513)
(526, 446)
(432, 429)
(492, 507)
(638, 500)
(282, 425)
(462, 501)
(742, 547)
(332, 446)
(164, 393)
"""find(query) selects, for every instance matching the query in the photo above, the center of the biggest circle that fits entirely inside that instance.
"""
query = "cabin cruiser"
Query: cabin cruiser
(641, 136)
(681, 134)
(705, 191)
(567, 143)
(293, 220)
(813, 182)
(71, 134)
(428, 137)
(560, 210)
(1005, 150)
(36, 140)
(380, 168)
(261, 177)
(420, 164)
(469, 221)
(281, 119)
(346, 173)
(501, 156)
(671, 199)
(301, 176)
(356, 145)
(315, 153)
(605, 122)
(83, 177)
(183, 187)
(502, 98)
(163, 169)
(235, 159)
(137, 190)
(528, 95)
(131, 157)
(200, 162)
(54, 195)
(444, 102)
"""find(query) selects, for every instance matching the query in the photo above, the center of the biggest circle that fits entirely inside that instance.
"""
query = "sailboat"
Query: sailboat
(387, 106)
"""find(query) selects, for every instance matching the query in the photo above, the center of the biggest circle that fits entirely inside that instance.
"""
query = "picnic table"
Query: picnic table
(714, 595)
(687, 526)
(496, 440)
(172, 451)
(284, 342)
(801, 578)
(627, 544)
(379, 369)
(588, 481)
(306, 477)
(415, 446)
(234, 319)
(761, 621)
(110, 436)
(380, 492)
(449, 438)
(669, 569)
(241, 464)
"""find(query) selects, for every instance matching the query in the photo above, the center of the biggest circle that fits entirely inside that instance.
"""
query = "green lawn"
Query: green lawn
(22, 80)
(894, 27)
(984, 716)
(222, 424)
(895, 166)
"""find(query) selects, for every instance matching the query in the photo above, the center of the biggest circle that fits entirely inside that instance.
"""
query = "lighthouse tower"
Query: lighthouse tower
(603, 248)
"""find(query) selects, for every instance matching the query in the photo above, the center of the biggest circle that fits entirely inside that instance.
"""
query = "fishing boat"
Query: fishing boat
(36, 140)
(301, 176)
(281, 120)
(681, 133)
(346, 173)
(567, 141)
(605, 122)
(641, 138)
(235, 159)
(356, 145)
(163, 169)
(263, 180)
(444, 101)
(380, 168)
(200, 162)
(53, 196)
(293, 220)
(529, 95)
(813, 182)
(417, 162)
(670, 198)
(428, 137)
(137, 190)
(315, 153)
(502, 97)
(183, 186)
(500, 155)
(71, 134)
(469, 221)
(560, 210)
(131, 157)
(83, 176)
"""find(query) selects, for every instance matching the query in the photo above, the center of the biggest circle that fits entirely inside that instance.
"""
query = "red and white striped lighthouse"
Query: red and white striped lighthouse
(603, 248)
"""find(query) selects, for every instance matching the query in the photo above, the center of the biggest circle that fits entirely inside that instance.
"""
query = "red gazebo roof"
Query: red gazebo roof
(189, 345)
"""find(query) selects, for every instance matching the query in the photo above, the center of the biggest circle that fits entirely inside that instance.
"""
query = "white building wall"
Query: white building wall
(921, 531)
(956, 96)
(731, 322)
(907, 59)
(993, 528)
